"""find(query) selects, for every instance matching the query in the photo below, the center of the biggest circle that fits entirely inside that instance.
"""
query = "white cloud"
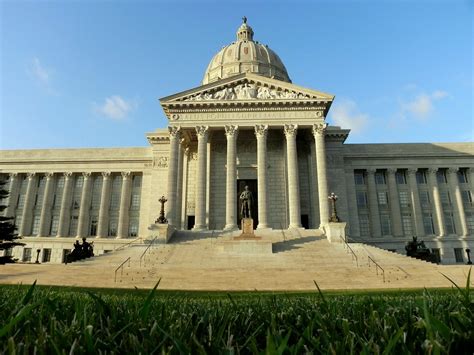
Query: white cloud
(422, 106)
(346, 114)
(42, 75)
(116, 107)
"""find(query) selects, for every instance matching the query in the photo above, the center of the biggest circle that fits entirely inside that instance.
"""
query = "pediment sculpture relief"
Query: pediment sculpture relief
(247, 91)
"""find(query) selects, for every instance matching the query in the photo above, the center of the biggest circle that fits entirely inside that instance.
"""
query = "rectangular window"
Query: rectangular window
(46, 255)
(437, 254)
(364, 225)
(133, 228)
(39, 200)
(65, 254)
(404, 199)
(385, 224)
(79, 182)
(137, 181)
(361, 197)
(53, 229)
(76, 200)
(449, 223)
(424, 199)
(60, 183)
(112, 228)
(428, 223)
(26, 255)
(135, 202)
(458, 254)
(36, 225)
(382, 198)
(470, 222)
(359, 177)
(421, 177)
(466, 197)
(380, 178)
(407, 224)
(445, 198)
(21, 201)
(462, 176)
(73, 226)
(441, 176)
(115, 201)
(93, 227)
(401, 177)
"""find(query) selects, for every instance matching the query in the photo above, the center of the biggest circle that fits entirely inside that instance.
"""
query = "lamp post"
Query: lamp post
(468, 252)
(162, 219)
(38, 251)
(334, 218)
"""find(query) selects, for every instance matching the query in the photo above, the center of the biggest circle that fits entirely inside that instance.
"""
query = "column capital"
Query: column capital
(452, 170)
(13, 175)
(231, 131)
(86, 175)
(290, 130)
(125, 174)
(202, 131)
(67, 174)
(432, 171)
(319, 128)
(48, 175)
(392, 171)
(30, 175)
(174, 131)
(412, 171)
(105, 174)
(371, 171)
(261, 130)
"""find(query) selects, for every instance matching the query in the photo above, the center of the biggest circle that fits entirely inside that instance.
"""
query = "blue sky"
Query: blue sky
(89, 73)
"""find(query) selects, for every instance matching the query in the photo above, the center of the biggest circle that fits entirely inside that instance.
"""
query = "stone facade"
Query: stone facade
(245, 127)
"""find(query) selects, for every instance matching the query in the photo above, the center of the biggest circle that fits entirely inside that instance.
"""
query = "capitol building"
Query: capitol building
(247, 124)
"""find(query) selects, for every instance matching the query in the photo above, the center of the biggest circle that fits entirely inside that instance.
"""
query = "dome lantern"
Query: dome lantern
(245, 32)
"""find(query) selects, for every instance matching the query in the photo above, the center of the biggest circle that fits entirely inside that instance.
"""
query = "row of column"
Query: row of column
(66, 202)
(417, 211)
(231, 132)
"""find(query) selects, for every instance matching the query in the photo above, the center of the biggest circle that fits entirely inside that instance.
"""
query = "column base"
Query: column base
(198, 228)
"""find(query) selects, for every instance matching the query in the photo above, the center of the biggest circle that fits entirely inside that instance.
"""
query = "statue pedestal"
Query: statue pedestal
(247, 230)
(163, 231)
(335, 232)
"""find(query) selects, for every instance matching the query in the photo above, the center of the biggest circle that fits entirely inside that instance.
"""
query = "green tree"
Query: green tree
(8, 237)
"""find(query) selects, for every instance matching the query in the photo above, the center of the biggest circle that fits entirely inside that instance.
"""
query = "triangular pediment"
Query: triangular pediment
(246, 87)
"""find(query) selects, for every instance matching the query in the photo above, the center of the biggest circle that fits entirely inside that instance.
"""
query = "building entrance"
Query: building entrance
(252, 184)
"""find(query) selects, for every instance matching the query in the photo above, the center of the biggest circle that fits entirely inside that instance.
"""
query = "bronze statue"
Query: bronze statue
(246, 202)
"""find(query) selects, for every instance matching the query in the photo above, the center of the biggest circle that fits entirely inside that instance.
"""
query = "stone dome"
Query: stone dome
(245, 55)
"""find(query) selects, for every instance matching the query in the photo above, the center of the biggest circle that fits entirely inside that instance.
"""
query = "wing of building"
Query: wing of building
(246, 125)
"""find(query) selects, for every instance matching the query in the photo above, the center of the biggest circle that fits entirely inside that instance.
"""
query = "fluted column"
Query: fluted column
(12, 195)
(415, 202)
(185, 181)
(319, 131)
(179, 186)
(438, 208)
(103, 223)
(200, 212)
(293, 183)
(471, 180)
(45, 218)
(65, 211)
(373, 204)
(459, 214)
(231, 133)
(395, 214)
(124, 217)
(84, 209)
(175, 136)
(261, 132)
(25, 227)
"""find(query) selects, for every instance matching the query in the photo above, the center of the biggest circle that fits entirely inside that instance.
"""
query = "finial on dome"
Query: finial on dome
(245, 32)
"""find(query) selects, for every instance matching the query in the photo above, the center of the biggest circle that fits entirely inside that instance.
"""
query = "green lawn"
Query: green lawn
(63, 320)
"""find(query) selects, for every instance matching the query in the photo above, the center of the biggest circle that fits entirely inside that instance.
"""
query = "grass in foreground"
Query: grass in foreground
(52, 320)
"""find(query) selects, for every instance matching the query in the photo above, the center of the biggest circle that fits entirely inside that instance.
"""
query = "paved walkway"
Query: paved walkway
(193, 262)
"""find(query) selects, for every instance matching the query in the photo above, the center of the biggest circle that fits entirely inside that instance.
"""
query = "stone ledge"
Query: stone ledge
(246, 247)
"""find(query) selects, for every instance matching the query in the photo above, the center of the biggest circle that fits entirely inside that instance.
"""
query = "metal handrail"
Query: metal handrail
(354, 256)
(125, 245)
(377, 266)
(146, 249)
(121, 267)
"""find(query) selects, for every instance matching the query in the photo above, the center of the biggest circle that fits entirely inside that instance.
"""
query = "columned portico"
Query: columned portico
(175, 137)
(65, 211)
(261, 132)
(200, 209)
(231, 132)
(438, 209)
(85, 206)
(395, 214)
(415, 202)
(458, 206)
(293, 183)
(102, 226)
(319, 131)
(122, 231)
(13, 195)
(25, 227)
